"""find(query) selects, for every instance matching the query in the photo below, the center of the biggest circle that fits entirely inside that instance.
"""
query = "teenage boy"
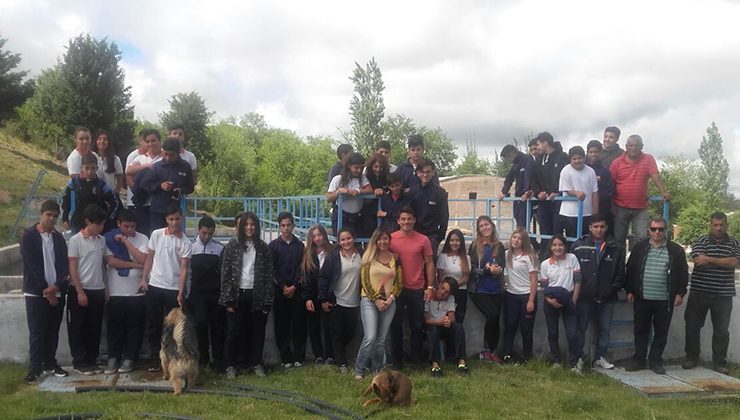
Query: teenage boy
(611, 148)
(521, 168)
(408, 170)
(45, 273)
(87, 294)
(205, 289)
(125, 255)
(176, 131)
(84, 190)
(167, 182)
(134, 173)
(630, 173)
(603, 180)
(384, 148)
(415, 252)
(439, 316)
(140, 150)
(579, 181)
(164, 276)
(712, 290)
(656, 279)
(82, 139)
(430, 202)
(602, 276)
(343, 153)
(392, 201)
(289, 310)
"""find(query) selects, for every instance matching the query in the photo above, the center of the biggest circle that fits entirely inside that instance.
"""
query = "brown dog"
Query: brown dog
(179, 351)
(391, 387)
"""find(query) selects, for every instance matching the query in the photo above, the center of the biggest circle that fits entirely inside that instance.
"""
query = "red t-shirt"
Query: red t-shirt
(631, 180)
(411, 250)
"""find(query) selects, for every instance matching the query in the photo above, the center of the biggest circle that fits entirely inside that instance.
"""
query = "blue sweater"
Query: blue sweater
(286, 258)
(178, 172)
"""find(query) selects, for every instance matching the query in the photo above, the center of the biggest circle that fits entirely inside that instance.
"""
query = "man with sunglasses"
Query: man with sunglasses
(656, 279)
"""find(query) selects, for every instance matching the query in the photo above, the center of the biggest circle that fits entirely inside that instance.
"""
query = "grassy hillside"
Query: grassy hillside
(20, 163)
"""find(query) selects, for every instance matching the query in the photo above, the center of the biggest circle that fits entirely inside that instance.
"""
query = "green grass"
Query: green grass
(532, 391)
(21, 163)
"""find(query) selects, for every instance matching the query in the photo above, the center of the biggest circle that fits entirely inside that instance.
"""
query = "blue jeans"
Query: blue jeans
(553, 331)
(602, 316)
(623, 217)
(375, 325)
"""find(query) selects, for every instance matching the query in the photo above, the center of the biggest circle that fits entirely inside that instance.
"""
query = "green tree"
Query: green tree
(693, 221)
(189, 111)
(682, 179)
(715, 170)
(472, 164)
(366, 107)
(86, 87)
(13, 89)
(437, 145)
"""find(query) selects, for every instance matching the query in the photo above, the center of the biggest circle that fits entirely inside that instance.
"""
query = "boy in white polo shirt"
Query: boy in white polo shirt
(87, 294)
(125, 255)
(164, 276)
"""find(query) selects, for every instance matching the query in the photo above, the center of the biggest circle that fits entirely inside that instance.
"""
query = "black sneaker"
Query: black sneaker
(58, 372)
(32, 377)
(690, 363)
(723, 369)
(658, 368)
(437, 372)
(634, 365)
(463, 369)
(85, 370)
(154, 366)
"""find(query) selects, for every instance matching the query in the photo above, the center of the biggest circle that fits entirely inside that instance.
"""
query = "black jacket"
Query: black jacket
(32, 253)
(286, 257)
(432, 210)
(546, 174)
(329, 275)
(310, 283)
(678, 269)
(520, 171)
(205, 267)
(80, 193)
(601, 278)
(231, 273)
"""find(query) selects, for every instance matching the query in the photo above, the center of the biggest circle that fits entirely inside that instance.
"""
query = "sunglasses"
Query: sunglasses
(657, 229)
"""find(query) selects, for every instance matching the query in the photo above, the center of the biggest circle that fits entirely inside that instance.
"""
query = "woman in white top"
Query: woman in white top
(81, 137)
(350, 182)
(561, 274)
(314, 255)
(109, 165)
(520, 299)
(454, 262)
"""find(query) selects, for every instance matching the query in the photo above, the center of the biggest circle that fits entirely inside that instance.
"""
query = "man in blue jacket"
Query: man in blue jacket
(602, 276)
(521, 168)
(430, 203)
(45, 277)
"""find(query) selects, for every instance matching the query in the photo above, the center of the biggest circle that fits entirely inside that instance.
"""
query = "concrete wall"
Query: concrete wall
(14, 333)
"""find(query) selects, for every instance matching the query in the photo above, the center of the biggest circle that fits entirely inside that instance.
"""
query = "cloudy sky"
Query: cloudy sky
(485, 71)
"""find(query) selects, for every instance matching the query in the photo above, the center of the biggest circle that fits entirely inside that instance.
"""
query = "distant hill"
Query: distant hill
(20, 163)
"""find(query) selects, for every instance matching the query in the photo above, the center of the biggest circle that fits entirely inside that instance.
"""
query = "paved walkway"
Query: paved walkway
(699, 382)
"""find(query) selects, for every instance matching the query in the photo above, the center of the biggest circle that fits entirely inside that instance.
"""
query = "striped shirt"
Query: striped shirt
(710, 278)
(631, 180)
(655, 276)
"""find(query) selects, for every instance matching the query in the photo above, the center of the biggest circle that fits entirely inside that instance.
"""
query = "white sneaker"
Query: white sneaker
(578, 367)
(601, 362)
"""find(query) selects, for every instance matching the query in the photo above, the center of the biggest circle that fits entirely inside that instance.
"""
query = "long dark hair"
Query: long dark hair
(354, 159)
(480, 241)
(240, 235)
(380, 180)
(110, 153)
(460, 252)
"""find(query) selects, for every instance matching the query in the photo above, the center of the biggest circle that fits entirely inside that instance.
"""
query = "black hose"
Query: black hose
(166, 416)
(73, 416)
(290, 394)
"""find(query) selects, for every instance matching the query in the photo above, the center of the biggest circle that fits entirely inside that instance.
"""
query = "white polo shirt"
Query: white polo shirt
(169, 250)
(74, 163)
(575, 180)
(89, 252)
(560, 273)
(129, 285)
(189, 157)
(517, 274)
(350, 204)
(129, 160)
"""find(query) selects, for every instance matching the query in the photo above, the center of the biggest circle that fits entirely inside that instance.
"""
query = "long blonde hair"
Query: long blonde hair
(372, 246)
(526, 247)
(308, 265)
(480, 240)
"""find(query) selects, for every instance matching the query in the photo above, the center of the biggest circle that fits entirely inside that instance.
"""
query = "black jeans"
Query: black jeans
(655, 313)
(245, 333)
(491, 306)
(321, 344)
(290, 326)
(568, 313)
(84, 325)
(142, 220)
(570, 224)
(517, 317)
(43, 332)
(455, 333)
(343, 324)
(413, 301)
(720, 309)
(210, 326)
(461, 304)
(548, 216)
(126, 319)
(159, 303)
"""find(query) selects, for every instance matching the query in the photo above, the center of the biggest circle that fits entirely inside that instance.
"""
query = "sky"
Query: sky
(483, 71)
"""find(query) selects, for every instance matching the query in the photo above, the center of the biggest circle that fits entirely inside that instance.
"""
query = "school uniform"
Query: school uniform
(205, 288)
(290, 313)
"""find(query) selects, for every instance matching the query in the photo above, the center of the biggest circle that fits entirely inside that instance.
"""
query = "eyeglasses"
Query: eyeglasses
(657, 229)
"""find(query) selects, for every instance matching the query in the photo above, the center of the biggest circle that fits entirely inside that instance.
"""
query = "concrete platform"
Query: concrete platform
(699, 382)
(74, 381)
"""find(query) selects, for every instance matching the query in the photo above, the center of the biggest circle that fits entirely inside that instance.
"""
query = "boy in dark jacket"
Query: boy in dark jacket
(392, 202)
(602, 276)
(85, 190)
(521, 168)
(205, 288)
(656, 279)
(45, 276)
(430, 203)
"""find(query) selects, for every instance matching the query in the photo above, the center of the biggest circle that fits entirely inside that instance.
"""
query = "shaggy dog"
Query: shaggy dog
(179, 351)
(390, 386)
